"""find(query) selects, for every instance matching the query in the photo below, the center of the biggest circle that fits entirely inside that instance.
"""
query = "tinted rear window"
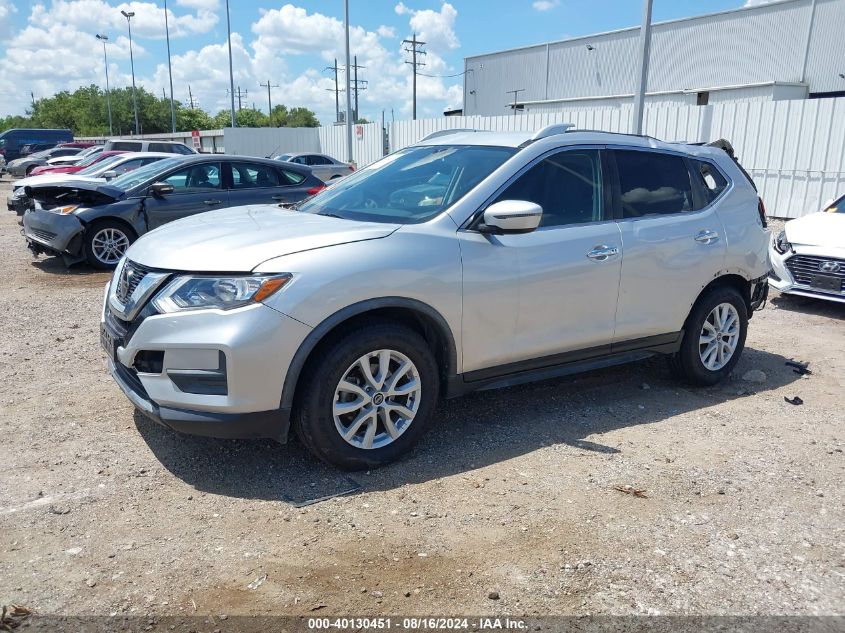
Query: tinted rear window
(126, 146)
(653, 183)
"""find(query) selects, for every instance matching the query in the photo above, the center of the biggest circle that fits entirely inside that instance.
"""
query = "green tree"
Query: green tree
(301, 117)
(188, 119)
(250, 118)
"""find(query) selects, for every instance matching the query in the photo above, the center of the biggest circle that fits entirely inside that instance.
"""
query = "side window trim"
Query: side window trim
(697, 181)
(475, 218)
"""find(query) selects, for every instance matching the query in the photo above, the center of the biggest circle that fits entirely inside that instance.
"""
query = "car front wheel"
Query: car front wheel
(368, 397)
(714, 337)
(104, 243)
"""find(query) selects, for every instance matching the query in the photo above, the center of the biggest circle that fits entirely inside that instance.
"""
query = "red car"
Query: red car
(72, 169)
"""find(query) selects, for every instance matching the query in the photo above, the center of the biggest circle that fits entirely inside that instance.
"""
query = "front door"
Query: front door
(544, 297)
(196, 188)
(673, 239)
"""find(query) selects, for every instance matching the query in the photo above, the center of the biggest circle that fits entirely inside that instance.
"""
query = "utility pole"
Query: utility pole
(336, 92)
(514, 93)
(414, 42)
(190, 96)
(241, 95)
(268, 85)
(358, 87)
(32, 96)
(645, 45)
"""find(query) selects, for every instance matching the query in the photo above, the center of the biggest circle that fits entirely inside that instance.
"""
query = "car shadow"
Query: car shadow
(467, 433)
(809, 305)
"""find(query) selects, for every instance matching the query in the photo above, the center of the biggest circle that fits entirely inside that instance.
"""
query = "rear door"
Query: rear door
(197, 187)
(259, 183)
(672, 239)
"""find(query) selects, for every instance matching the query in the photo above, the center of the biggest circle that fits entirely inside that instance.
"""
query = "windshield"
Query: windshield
(837, 207)
(44, 153)
(410, 186)
(134, 178)
(99, 166)
(284, 157)
(87, 162)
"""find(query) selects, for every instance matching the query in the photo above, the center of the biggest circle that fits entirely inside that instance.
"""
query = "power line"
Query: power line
(356, 86)
(414, 50)
(337, 91)
(468, 70)
(240, 94)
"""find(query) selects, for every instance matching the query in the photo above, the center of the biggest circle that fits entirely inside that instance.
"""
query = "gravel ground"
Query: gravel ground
(508, 506)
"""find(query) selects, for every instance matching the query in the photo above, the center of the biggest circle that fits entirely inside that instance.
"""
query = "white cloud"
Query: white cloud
(54, 52)
(545, 5)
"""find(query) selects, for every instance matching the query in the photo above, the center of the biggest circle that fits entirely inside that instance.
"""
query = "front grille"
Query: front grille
(41, 234)
(130, 276)
(803, 267)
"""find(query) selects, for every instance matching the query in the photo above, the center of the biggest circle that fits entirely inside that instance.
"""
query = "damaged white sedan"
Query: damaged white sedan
(808, 256)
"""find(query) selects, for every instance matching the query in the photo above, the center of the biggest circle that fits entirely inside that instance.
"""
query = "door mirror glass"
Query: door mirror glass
(512, 216)
(160, 189)
(108, 175)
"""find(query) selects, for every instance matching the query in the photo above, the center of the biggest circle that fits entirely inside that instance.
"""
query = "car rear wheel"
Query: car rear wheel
(714, 337)
(369, 397)
(106, 242)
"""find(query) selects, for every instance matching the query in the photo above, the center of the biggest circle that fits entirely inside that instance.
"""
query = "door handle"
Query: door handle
(279, 198)
(211, 202)
(707, 237)
(603, 252)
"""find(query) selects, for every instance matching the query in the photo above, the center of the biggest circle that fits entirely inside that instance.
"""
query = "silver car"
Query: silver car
(470, 260)
(324, 167)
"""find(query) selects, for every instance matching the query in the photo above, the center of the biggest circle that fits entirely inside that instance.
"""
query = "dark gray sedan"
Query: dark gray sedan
(97, 222)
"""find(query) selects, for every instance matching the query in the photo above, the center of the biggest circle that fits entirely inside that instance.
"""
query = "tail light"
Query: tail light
(315, 190)
(352, 168)
(761, 209)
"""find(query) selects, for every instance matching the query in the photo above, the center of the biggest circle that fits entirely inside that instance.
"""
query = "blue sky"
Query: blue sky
(48, 45)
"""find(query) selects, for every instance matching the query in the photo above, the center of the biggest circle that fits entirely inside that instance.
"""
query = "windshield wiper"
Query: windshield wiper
(331, 215)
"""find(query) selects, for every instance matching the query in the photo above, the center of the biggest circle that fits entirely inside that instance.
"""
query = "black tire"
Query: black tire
(29, 170)
(92, 231)
(688, 363)
(313, 419)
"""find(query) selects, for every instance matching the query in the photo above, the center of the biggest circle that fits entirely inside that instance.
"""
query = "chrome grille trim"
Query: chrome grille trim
(801, 267)
(126, 295)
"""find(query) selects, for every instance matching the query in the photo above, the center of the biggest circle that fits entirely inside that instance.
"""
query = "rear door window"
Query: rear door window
(254, 176)
(161, 147)
(653, 183)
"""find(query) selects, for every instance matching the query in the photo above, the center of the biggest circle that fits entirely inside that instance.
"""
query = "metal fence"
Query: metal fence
(794, 150)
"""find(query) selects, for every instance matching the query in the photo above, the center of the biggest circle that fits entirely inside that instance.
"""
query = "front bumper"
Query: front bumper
(251, 348)
(797, 280)
(52, 232)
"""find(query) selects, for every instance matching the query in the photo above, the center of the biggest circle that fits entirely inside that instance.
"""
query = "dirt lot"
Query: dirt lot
(511, 494)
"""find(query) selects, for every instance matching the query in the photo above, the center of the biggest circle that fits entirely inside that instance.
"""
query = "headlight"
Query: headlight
(222, 293)
(781, 244)
(66, 209)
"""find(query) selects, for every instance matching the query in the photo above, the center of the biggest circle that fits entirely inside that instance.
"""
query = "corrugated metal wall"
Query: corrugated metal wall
(795, 150)
(759, 44)
(367, 142)
(269, 141)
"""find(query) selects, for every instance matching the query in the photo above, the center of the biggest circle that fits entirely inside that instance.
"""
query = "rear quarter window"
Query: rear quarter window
(711, 180)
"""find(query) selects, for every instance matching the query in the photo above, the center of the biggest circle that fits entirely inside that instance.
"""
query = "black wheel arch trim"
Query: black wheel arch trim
(327, 325)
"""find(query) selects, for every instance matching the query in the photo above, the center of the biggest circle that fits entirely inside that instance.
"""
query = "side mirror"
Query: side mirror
(160, 189)
(111, 173)
(511, 216)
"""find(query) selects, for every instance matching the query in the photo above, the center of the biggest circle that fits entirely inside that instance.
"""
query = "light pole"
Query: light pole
(349, 157)
(231, 75)
(128, 17)
(104, 39)
(169, 70)
(642, 82)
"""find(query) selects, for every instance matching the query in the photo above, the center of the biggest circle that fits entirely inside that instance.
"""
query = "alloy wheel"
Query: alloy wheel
(719, 336)
(377, 399)
(109, 245)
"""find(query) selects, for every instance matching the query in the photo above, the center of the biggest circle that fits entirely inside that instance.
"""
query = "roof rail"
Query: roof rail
(552, 130)
(440, 133)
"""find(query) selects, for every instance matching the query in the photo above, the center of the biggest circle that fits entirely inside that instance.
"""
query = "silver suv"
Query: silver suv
(469, 260)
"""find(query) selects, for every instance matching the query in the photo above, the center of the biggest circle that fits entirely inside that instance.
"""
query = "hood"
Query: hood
(55, 169)
(51, 194)
(240, 238)
(817, 229)
(53, 178)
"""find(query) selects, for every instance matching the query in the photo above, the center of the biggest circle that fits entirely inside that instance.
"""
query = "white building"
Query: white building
(787, 49)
